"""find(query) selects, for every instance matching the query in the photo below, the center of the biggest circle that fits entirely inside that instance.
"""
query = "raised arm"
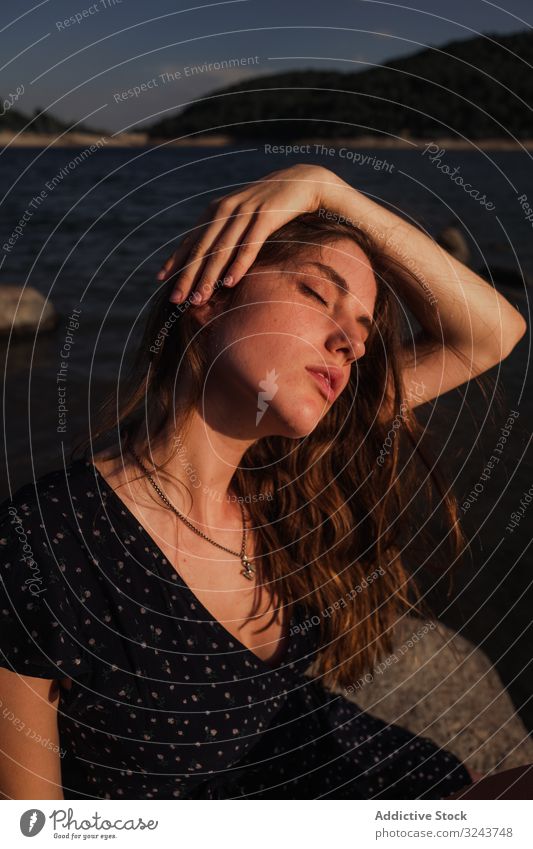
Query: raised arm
(475, 326)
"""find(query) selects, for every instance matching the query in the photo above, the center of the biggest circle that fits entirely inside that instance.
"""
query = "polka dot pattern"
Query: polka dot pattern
(165, 702)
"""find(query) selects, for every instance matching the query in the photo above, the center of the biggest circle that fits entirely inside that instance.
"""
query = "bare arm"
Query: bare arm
(30, 766)
(475, 326)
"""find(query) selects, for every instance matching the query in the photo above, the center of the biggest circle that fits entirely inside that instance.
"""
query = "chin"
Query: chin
(296, 420)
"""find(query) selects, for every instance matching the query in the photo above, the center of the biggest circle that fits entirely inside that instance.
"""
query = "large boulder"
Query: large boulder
(442, 687)
(23, 309)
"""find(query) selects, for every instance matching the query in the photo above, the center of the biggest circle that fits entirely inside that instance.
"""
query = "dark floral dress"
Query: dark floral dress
(165, 702)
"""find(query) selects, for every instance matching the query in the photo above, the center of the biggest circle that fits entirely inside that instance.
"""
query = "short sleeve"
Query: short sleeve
(39, 632)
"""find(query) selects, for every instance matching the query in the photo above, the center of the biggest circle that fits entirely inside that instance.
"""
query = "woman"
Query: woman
(179, 615)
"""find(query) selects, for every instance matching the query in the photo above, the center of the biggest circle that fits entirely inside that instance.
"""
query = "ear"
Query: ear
(205, 313)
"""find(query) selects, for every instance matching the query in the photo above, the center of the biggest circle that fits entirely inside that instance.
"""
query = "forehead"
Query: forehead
(348, 265)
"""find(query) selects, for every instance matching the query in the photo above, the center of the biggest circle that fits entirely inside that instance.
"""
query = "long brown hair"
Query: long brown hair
(332, 534)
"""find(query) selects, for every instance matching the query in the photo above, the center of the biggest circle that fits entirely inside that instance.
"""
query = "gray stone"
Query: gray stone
(23, 309)
(440, 686)
(452, 240)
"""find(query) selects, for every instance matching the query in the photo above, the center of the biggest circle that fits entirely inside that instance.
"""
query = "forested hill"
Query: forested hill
(480, 88)
(41, 121)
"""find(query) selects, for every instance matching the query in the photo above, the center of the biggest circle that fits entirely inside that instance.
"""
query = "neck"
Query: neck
(197, 479)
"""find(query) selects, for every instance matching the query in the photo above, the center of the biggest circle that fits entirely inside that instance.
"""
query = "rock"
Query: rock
(24, 310)
(445, 688)
(453, 241)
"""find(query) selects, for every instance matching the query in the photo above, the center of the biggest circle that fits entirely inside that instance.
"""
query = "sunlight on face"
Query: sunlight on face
(292, 321)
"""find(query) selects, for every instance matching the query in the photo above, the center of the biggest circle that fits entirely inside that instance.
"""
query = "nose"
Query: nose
(349, 344)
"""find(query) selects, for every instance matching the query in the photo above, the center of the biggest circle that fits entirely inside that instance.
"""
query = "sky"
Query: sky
(82, 60)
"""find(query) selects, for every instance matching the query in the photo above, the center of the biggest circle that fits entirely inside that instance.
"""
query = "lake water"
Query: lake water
(96, 242)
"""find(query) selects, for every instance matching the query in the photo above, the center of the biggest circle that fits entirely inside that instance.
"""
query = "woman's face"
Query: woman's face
(291, 321)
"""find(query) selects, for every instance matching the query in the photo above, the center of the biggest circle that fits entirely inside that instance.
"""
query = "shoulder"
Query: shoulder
(37, 523)
(53, 495)
(39, 593)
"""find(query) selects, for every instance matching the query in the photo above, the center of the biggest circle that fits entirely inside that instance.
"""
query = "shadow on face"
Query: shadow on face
(313, 311)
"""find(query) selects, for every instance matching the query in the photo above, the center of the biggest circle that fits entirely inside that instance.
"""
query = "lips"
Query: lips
(328, 379)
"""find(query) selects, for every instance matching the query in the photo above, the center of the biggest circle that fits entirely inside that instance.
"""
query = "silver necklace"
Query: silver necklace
(248, 570)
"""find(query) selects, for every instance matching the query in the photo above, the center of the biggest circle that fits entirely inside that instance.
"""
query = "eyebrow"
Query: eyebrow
(339, 280)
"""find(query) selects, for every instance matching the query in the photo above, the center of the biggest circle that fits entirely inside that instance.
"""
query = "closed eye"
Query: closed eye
(365, 322)
(307, 289)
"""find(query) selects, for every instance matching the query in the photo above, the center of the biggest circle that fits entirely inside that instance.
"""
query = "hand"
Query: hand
(237, 226)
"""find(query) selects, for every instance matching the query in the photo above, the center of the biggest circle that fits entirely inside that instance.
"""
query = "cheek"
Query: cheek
(271, 335)
(265, 351)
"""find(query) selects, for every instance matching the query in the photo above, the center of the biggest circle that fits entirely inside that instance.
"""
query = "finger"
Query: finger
(181, 252)
(247, 252)
(184, 247)
(172, 261)
(222, 254)
(187, 273)
(191, 271)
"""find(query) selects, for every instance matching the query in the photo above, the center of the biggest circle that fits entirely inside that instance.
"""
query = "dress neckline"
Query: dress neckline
(269, 665)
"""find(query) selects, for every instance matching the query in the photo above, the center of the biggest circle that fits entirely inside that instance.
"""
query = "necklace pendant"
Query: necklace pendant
(248, 570)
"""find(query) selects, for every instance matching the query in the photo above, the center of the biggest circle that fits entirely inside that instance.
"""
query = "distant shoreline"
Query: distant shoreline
(132, 140)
